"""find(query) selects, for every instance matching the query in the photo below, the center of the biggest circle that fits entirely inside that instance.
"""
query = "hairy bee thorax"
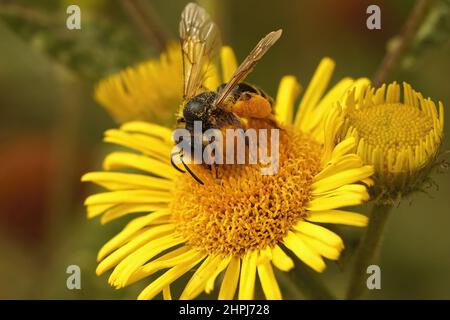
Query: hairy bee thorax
(246, 101)
(201, 108)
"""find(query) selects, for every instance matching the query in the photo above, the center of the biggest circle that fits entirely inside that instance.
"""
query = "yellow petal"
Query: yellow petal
(137, 242)
(342, 178)
(336, 93)
(393, 93)
(168, 277)
(327, 203)
(97, 209)
(123, 181)
(230, 280)
(229, 63)
(130, 230)
(361, 85)
(212, 81)
(441, 115)
(126, 160)
(319, 233)
(368, 182)
(150, 129)
(333, 123)
(150, 146)
(348, 161)
(129, 196)
(210, 283)
(172, 258)
(321, 248)
(303, 252)
(125, 209)
(197, 283)
(343, 148)
(268, 282)
(314, 91)
(248, 276)
(124, 270)
(281, 260)
(358, 189)
(288, 91)
(166, 293)
(339, 217)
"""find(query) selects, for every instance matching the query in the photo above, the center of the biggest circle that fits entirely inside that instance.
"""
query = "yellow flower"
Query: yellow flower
(134, 93)
(400, 138)
(152, 91)
(243, 225)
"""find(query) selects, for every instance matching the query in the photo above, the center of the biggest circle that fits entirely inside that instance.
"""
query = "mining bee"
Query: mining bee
(232, 101)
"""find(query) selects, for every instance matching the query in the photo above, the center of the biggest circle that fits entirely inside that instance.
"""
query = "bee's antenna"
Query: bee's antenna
(173, 163)
(190, 171)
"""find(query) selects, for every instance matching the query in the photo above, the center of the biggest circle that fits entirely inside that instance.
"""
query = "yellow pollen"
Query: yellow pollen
(391, 126)
(243, 209)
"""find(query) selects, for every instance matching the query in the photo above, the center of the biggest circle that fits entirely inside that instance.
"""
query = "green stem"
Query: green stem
(393, 57)
(368, 250)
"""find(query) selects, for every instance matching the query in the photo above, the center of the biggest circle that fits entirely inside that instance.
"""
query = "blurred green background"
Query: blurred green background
(51, 129)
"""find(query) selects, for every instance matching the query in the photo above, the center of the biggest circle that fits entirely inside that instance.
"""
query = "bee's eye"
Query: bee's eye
(193, 110)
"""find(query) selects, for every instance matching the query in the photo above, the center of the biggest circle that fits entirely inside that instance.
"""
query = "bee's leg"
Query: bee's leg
(172, 155)
(252, 105)
(193, 175)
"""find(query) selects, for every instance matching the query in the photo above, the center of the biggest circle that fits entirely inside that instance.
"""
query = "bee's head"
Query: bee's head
(194, 110)
(197, 108)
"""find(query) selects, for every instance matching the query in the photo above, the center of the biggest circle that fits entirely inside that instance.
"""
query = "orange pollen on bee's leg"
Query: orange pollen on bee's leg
(252, 105)
(244, 210)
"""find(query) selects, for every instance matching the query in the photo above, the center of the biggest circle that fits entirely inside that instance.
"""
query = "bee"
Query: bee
(232, 101)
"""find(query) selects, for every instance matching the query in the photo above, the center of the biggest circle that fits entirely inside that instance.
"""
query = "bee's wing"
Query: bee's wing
(200, 41)
(247, 65)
